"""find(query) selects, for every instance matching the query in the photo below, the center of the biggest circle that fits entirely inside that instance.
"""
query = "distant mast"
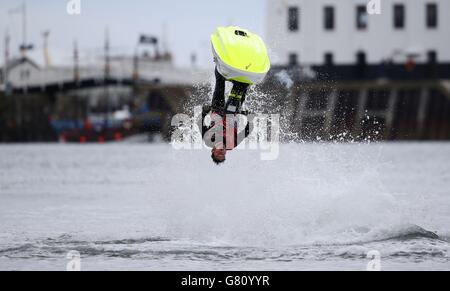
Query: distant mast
(47, 60)
(24, 48)
(76, 68)
(107, 75)
(107, 58)
(7, 42)
(164, 39)
(6, 60)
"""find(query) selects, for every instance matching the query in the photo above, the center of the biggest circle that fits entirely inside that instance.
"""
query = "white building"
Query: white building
(317, 32)
(24, 72)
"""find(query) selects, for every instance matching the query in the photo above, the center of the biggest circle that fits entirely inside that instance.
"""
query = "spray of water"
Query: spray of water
(314, 193)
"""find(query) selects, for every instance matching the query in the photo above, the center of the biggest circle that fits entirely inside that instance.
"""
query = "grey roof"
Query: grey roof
(15, 62)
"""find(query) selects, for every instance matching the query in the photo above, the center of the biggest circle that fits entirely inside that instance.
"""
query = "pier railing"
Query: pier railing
(324, 110)
(388, 110)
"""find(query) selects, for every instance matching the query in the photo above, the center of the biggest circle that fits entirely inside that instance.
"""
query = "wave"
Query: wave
(132, 241)
(401, 233)
(411, 232)
(69, 239)
(145, 247)
(16, 249)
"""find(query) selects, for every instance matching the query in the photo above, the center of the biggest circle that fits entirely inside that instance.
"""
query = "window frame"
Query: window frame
(329, 18)
(328, 59)
(293, 18)
(358, 10)
(432, 22)
(292, 59)
(399, 23)
(432, 57)
(361, 58)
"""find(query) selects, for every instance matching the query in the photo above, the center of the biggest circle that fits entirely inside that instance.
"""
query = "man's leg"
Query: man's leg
(218, 102)
(237, 97)
(243, 89)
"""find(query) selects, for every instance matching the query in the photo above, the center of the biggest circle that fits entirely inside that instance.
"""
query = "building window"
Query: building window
(432, 61)
(328, 17)
(293, 16)
(361, 59)
(432, 57)
(432, 15)
(328, 59)
(293, 59)
(399, 16)
(361, 65)
(362, 18)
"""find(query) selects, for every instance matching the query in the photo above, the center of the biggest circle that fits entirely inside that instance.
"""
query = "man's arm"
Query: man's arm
(218, 102)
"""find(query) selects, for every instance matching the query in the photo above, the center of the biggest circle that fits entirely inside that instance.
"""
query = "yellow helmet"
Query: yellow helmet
(240, 55)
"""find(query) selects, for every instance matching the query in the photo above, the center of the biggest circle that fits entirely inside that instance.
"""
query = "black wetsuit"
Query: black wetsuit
(218, 107)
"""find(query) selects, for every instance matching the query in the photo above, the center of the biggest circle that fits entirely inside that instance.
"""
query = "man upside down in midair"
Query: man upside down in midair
(241, 58)
(223, 134)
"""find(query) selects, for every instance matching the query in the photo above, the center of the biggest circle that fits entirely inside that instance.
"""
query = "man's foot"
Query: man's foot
(236, 98)
(233, 105)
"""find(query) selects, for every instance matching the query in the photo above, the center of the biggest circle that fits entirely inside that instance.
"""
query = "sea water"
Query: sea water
(150, 207)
